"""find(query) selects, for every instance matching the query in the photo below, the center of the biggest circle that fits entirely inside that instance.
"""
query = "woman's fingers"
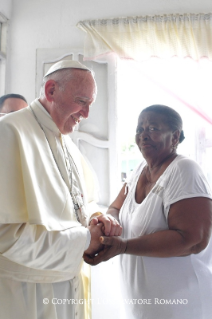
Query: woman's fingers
(112, 246)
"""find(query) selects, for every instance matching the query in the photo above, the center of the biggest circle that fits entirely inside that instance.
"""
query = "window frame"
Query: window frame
(3, 52)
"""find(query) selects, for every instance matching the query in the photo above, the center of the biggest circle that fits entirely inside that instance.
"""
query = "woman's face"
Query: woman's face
(154, 137)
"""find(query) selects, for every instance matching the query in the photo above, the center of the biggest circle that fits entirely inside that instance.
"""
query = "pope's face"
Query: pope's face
(72, 104)
(12, 105)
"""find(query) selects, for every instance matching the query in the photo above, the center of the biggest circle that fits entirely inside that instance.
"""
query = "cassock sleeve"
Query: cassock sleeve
(35, 247)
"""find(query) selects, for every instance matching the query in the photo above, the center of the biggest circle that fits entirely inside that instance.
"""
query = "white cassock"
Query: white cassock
(41, 241)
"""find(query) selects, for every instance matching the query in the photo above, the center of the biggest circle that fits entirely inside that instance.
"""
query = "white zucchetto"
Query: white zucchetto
(66, 64)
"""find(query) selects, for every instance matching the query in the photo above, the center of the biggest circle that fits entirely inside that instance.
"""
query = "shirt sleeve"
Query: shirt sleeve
(133, 176)
(35, 247)
(185, 181)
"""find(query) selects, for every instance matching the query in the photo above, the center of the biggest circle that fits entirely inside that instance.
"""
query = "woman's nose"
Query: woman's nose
(144, 135)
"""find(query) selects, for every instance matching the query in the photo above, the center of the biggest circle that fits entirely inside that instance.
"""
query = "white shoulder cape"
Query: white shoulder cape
(31, 187)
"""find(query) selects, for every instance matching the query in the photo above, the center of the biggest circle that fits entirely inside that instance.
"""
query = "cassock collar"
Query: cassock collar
(44, 117)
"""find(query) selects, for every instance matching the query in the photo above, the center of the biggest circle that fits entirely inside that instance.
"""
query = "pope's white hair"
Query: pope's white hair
(62, 77)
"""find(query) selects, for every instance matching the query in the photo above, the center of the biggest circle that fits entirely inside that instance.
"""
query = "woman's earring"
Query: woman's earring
(174, 147)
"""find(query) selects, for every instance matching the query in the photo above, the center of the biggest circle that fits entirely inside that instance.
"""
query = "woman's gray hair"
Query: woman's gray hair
(172, 118)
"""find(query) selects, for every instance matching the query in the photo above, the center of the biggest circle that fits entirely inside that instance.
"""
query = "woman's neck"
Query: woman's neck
(157, 167)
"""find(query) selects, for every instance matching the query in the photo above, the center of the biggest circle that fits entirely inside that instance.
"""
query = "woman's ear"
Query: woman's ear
(175, 137)
(50, 87)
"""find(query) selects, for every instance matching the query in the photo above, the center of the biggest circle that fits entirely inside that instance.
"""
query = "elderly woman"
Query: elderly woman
(165, 210)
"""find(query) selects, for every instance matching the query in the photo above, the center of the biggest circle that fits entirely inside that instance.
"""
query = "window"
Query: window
(182, 84)
(3, 41)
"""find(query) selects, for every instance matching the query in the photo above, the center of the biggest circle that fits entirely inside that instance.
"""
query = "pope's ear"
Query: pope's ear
(50, 87)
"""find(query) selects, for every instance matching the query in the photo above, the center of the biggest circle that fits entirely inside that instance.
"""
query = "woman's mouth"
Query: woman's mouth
(146, 145)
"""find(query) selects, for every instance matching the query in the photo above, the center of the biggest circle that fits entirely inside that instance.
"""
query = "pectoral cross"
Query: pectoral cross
(76, 206)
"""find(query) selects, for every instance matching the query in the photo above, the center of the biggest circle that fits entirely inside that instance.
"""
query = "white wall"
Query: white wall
(51, 24)
(6, 8)
(5, 11)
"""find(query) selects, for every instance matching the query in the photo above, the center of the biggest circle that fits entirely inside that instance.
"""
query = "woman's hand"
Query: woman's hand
(111, 226)
(112, 246)
(110, 219)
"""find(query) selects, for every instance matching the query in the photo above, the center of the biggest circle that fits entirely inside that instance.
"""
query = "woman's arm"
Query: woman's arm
(115, 207)
(111, 219)
(190, 224)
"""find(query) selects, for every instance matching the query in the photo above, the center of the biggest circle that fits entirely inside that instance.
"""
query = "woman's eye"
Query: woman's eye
(139, 130)
(151, 128)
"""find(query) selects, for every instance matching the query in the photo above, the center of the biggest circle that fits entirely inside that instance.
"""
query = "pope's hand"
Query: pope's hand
(95, 245)
(111, 225)
(112, 246)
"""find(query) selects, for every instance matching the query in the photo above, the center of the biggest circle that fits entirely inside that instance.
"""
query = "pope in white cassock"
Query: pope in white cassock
(47, 199)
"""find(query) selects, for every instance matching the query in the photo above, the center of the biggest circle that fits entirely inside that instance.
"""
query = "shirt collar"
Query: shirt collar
(44, 117)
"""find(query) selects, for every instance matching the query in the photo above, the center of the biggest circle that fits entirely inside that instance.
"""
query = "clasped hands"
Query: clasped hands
(105, 241)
